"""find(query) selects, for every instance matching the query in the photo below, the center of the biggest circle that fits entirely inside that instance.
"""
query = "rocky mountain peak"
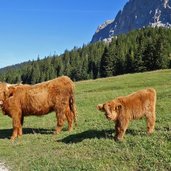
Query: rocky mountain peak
(136, 14)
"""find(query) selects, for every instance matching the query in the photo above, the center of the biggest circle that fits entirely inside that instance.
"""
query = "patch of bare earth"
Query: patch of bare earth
(3, 167)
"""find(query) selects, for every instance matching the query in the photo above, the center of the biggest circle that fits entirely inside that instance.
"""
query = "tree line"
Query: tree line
(138, 51)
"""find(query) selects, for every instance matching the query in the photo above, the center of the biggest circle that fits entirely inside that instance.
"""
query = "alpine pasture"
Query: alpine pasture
(91, 145)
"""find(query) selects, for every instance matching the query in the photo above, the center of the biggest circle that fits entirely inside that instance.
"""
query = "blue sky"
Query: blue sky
(32, 28)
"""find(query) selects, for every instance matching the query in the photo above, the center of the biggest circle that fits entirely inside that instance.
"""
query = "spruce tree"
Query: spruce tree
(106, 64)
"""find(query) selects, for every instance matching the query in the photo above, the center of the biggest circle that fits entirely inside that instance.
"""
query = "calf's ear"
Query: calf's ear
(100, 107)
(106, 108)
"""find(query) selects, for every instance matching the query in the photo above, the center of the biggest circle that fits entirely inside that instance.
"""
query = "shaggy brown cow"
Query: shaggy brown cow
(40, 99)
(134, 106)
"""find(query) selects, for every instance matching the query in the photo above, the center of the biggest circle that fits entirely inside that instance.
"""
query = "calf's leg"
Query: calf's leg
(150, 124)
(121, 127)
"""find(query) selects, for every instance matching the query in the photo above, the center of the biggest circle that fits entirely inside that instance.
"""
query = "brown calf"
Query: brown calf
(134, 106)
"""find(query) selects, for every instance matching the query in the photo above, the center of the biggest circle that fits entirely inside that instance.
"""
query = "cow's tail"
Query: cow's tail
(73, 108)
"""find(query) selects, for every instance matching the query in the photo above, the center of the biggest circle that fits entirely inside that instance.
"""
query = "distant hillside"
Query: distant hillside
(136, 14)
(138, 51)
(14, 67)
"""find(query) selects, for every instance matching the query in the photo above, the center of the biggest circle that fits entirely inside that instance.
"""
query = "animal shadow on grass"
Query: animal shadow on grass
(90, 134)
(6, 133)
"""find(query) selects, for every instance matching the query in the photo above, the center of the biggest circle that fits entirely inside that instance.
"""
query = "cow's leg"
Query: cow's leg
(20, 131)
(22, 120)
(69, 116)
(17, 128)
(150, 123)
(121, 127)
(60, 121)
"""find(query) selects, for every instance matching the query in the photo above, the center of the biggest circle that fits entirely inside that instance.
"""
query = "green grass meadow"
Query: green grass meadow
(91, 146)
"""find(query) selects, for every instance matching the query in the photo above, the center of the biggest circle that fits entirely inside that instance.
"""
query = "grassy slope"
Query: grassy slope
(90, 146)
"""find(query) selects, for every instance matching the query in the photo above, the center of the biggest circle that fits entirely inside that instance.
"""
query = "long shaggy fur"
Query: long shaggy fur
(134, 106)
(40, 99)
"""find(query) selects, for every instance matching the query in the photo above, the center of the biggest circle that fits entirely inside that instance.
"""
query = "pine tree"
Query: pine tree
(138, 62)
(130, 61)
(148, 55)
(35, 74)
(106, 64)
(161, 55)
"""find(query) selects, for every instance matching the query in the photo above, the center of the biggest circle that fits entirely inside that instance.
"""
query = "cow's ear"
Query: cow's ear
(118, 107)
(100, 107)
(11, 90)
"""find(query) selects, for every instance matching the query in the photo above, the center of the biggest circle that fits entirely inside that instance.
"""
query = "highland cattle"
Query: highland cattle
(39, 99)
(134, 106)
